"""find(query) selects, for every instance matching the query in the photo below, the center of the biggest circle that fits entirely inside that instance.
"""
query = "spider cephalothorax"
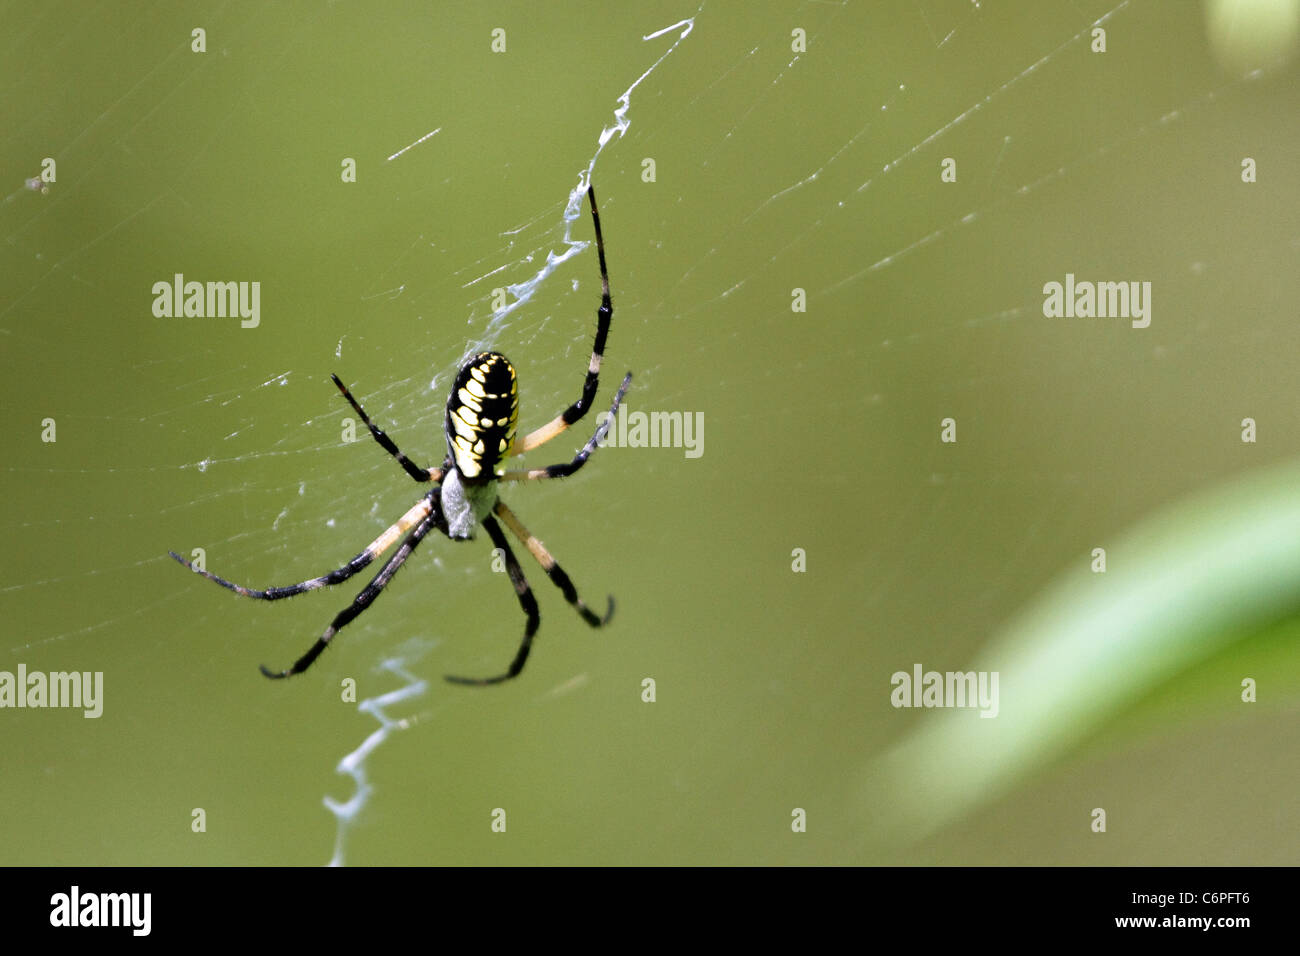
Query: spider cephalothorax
(482, 414)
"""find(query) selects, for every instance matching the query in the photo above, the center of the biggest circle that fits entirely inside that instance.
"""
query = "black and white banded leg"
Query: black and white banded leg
(362, 600)
(526, 601)
(552, 567)
(604, 314)
(569, 467)
(377, 547)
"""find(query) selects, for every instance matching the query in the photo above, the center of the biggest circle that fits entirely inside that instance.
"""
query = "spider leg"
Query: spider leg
(551, 567)
(362, 600)
(412, 469)
(526, 601)
(377, 547)
(568, 468)
(579, 408)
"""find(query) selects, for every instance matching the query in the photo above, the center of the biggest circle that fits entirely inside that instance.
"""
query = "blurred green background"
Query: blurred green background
(775, 169)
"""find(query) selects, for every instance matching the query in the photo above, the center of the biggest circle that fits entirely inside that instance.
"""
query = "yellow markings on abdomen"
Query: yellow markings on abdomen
(482, 415)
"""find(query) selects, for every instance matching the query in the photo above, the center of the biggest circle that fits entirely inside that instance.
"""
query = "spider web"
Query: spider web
(353, 764)
(733, 91)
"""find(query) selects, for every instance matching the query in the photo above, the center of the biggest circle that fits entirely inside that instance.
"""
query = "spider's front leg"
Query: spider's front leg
(388, 445)
(604, 314)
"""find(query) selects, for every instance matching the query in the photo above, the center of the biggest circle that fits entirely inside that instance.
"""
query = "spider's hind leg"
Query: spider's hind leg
(604, 315)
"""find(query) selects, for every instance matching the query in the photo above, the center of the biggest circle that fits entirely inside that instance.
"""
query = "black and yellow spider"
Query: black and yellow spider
(482, 412)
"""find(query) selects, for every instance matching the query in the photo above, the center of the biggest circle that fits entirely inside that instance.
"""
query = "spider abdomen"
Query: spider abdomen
(482, 413)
